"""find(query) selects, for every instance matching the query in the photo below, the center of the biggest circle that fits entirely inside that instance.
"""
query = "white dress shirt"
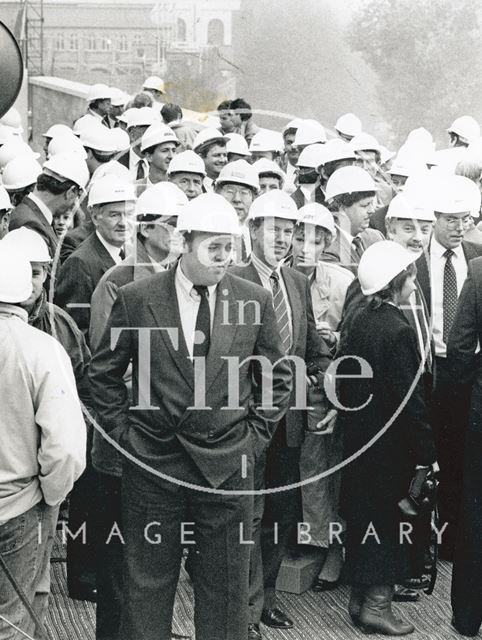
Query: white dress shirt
(264, 272)
(42, 206)
(188, 301)
(437, 266)
(308, 190)
(208, 184)
(113, 251)
(134, 161)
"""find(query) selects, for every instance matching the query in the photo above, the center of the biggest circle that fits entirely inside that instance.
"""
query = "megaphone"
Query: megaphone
(11, 70)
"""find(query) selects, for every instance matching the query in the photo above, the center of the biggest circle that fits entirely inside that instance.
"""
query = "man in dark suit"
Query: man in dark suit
(271, 219)
(58, 189)
(112, 208)
(188, 443)
(441, 275)
(309, 176)
(139, 121)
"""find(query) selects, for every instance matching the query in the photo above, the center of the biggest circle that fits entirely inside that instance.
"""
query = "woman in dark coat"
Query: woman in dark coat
(378, 479)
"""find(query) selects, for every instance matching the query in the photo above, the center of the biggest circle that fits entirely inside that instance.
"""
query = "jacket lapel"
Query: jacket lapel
(50, 233)
(106, 259)
(166, 314)
(295, 303)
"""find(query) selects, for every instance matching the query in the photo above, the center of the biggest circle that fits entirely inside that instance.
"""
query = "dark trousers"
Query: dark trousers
(275, 519)
(449, 418)
(109, 557)
(154, 511)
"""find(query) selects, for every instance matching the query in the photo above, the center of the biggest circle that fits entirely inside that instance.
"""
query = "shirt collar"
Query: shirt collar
(42, 206)
(437, 250)
(96, 115)
(263, 268)
(186, 284)
(13, 310)
(114, 251)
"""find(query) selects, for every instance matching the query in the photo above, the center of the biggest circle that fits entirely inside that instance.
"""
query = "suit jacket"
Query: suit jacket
(377, 220)
(307, 344)
(124, 159)
(27, 214)
(74, 238)
(173, 435)
(471, 251)
(78, 277)
(300, 200)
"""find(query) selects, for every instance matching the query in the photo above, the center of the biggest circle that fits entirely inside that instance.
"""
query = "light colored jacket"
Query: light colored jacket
(42, 430)
(328, 292)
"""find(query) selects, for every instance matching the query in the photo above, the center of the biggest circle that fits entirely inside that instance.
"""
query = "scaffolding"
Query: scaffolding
(31, 35)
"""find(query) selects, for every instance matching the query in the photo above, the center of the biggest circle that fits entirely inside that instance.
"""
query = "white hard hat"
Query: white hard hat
(4, 199)
(349, 125)
(210, 213)
(110, 189)
(187, 162)
(237, 144)
(274, 204)
(309, 132)
(12, 120)
(143, 117)
(15, 276)
(386, 154)
(85, 123)
(406, 164)
(466, 127)
(20, 173)
(124, 117)
(337, 149)
(57, 129)
(158, 134)
(208, 136)
(6, 134)
(411, 205)
(15, 148)
(121, 139)
(365, 142)
(68, 166)
(266, 140)
(318, 215)
(292, 124)
(349, 180)
(98, 92)
(67, 143)
(312, 156)
(154, 82)
(420, 139)
(99, 138)
(29, 243)
(161, 199)
(455, 194)
(118, 98)
(265, 166)
(239, 172)
(113, 168)
(380, 263)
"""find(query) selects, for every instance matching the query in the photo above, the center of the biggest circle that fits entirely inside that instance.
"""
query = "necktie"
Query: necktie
(357, 248)
(281, 311)
(122, 254)
(203, 322)
(106, 122)
(140, 171)
(449, 303)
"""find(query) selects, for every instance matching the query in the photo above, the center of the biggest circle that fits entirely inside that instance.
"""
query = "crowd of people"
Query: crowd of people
(222, 344)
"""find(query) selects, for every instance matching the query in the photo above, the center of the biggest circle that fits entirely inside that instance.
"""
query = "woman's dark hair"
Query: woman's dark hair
(346, 200)
(393, 287)
(54, 186)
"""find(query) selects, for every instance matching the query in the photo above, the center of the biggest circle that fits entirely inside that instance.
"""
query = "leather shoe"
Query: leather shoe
(276, 618)
(254, 632)
(325, 585)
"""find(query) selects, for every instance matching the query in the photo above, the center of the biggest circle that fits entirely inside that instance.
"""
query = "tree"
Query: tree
(427, 58)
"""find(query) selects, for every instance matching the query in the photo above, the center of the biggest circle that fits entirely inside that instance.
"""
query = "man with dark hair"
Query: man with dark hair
(185, 131)
(210, 144)
(139, 121)
(226, 117)
(242, 110)
(158, 146)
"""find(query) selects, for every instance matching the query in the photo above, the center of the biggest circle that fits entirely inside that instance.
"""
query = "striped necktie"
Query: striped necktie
(281, 311)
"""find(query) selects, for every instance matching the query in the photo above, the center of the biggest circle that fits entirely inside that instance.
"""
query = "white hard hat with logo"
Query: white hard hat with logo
(111, 189)
(380, 263)
(466, 127)
(349, 125)
(349, 180)
(312, 156)
(274, 204)
(143, 117)
(154, 82)
(29, 243)
(5, 203)
(309, 132)
(206, 136)
(98, 92)
(68, 166)
(187, 162)
(57, 129)
(336, 149)
(454, 194)
(210, 213)
(365, 142)
(15, 148)
(20, 173)
(317, 215)
(15, 276)
(237, 144)
(161, 199)
(239, 172)
(267, 140)
(411, 205)
(67, 143)
(158, 134)
(100, 139)
(264, 166)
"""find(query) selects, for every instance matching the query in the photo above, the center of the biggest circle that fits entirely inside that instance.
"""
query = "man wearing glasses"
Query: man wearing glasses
(441, 275)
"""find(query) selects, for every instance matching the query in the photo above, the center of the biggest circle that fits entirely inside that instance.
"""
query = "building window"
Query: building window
(91, 42)
(181, 30)
(105, 43)
(216, 32)
(74, 41)
(137, 42)
(123, 44)
(59, 41)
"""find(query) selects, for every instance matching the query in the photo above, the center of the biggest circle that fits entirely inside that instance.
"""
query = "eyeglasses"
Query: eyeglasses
(453, 222)
(230, 191)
